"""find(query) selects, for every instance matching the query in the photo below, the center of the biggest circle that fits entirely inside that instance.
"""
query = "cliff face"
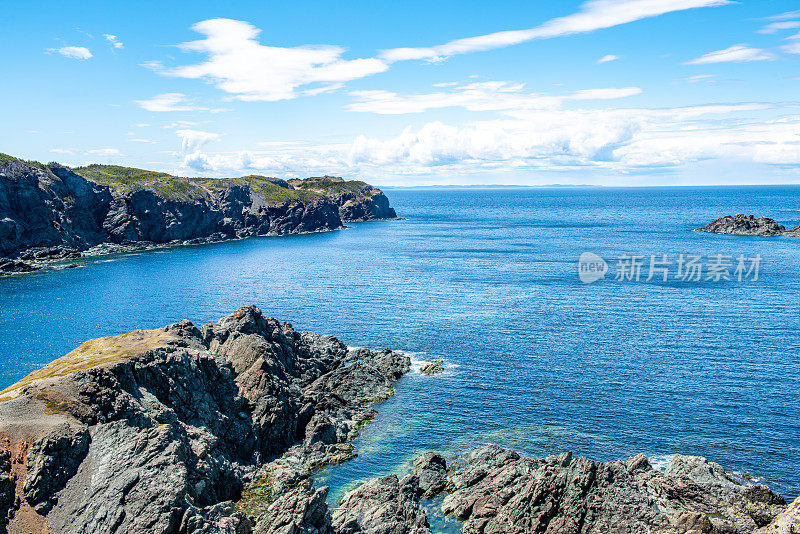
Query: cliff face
(161, 430)
(52, 212)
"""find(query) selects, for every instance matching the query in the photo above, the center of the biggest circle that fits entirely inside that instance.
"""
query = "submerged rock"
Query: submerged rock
(432, 367)
(741, 224)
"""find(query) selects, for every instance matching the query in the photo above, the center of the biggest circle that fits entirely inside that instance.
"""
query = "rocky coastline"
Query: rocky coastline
(51, 214)
(219, 429)
(741, 224)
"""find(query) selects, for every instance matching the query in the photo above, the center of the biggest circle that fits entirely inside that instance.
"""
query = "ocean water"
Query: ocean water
(487, 280)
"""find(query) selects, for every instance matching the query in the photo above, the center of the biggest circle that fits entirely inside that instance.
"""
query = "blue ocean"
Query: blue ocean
(487, 280)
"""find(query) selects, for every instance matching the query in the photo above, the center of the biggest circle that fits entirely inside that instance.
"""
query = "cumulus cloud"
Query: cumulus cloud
(192, 140)
(239, 64)
(73, 52)
(628, 140)
(479, 96)
(170, 102)
(607, 58)
(592, 15)
(735, 54)
(113, 41)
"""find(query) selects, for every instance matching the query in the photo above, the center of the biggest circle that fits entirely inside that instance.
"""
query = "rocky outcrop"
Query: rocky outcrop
(787, 522)
(495, 490)
(51, 212)
(357, 201)
(382, 505)
(741, 224)
(171, 430)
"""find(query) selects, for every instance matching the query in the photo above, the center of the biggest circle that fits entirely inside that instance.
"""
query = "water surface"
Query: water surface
(487, 280)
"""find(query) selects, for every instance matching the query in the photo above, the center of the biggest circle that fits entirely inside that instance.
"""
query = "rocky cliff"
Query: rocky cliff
(182, 429)
(741, 224)
(51, 212)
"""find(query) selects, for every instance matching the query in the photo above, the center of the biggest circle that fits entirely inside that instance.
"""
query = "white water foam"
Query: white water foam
(660, 462)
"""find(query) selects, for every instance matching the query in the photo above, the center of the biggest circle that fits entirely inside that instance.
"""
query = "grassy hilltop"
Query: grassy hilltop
(129, 179)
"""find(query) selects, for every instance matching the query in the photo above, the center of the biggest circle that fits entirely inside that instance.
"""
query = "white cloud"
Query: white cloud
(138, 140)
(784, 16)
(104, 152)
(480, 96)
(593, 15)
(793, 48)
(775, 27)
(61, 151)
(112, 40)
(170, 102)
(239, 65)
(619, 141)
(699, 78)
(607, 58)
(192, 140)
(736, 54)
(74, 52)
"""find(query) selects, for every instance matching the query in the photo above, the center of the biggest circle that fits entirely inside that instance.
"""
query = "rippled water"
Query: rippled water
(487, 280)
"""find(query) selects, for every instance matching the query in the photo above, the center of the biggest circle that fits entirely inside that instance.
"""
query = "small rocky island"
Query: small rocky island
(741, 224)
(219, 429)
(53, 213)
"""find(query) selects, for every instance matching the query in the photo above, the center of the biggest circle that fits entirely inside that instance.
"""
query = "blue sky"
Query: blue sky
(614, 92)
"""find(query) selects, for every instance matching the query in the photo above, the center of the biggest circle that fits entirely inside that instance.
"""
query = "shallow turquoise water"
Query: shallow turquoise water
(487, 280)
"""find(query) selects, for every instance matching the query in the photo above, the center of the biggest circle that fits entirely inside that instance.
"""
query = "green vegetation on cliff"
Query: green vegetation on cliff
(323, 184)
(129, 179)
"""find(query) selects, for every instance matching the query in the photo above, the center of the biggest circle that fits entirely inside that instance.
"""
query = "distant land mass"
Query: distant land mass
(51, 212)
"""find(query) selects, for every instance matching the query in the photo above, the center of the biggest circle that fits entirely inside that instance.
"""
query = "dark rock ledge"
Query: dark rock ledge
(741, 224)
(51, 215)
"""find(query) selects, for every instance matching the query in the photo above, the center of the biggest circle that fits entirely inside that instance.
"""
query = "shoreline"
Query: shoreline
(113, 249)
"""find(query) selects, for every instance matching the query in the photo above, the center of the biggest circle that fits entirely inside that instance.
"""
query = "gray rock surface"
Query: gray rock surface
(741, 224)
(431, 470)
(494, 490)
(383, 505)
(50, 213)
(302, 510)
(155, 431)
(787, 522)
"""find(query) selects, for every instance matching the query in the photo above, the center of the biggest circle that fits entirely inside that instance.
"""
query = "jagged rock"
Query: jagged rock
(432, 367)
(382, 505)
(741, 224)
(52, 461)
(787, 522)
(431, 470)
(222, 518)
(699, 470)
(496, 491)
(9, 502)
(300, 511)
(155, 430)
